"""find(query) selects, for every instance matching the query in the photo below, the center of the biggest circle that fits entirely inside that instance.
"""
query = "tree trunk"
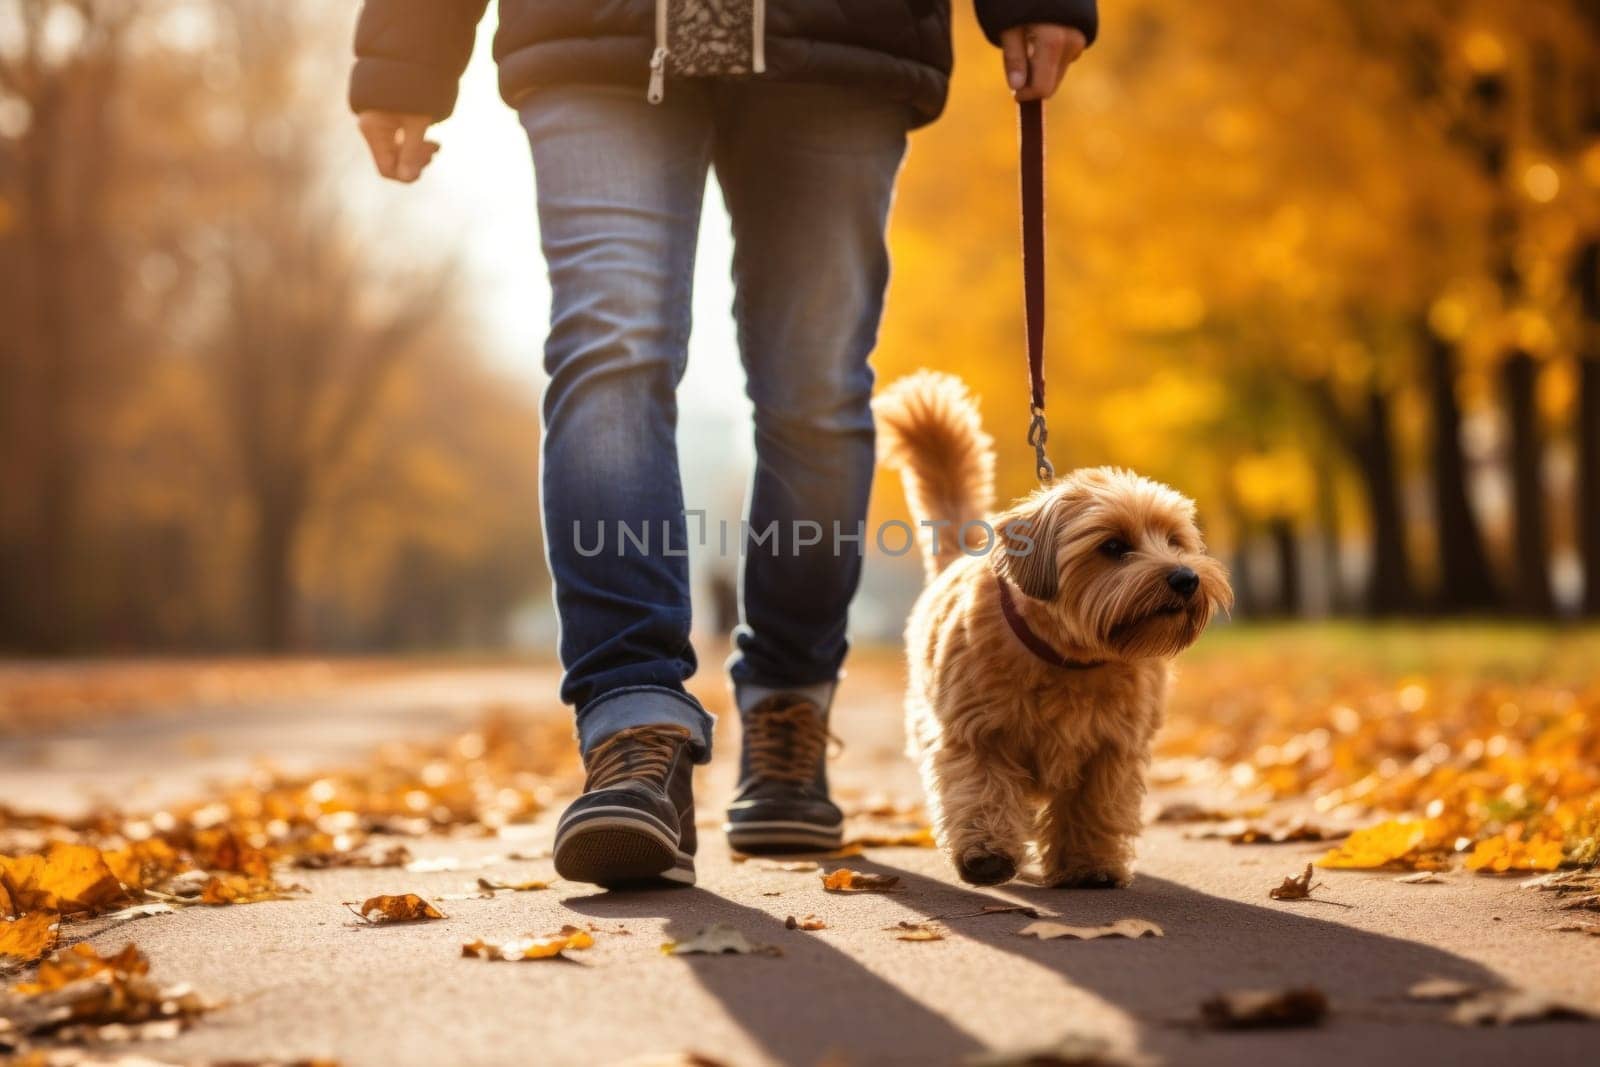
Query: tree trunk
(1286, 552)
(1328, 534)
(277, 531)
(1389, 588)
(1465, 581)
(1531, 594)
(1588, 503)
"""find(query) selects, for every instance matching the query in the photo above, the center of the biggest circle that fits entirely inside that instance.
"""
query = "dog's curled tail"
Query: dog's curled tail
(929, 429)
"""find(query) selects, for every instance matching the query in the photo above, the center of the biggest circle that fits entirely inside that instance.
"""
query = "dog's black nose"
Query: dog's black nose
(1184, 581)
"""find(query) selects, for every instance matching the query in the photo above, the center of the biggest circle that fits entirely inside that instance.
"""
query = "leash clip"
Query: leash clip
(1038, 435)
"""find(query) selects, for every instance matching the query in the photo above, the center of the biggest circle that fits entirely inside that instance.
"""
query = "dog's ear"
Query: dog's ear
(1024, 552)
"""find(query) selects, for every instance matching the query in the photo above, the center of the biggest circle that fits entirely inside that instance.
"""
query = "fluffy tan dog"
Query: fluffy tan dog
(1040, 649)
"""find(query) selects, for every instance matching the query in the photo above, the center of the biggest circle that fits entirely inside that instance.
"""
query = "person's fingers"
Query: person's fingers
(1014, 52)
(1072, 49)
(415, 148)
(379, 130)
(1044, 63)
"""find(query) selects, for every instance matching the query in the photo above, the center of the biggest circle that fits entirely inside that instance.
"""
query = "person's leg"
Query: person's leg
(808, 173)
(620, 184)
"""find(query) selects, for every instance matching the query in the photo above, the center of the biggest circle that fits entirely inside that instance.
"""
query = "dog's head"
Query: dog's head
(1117, 559)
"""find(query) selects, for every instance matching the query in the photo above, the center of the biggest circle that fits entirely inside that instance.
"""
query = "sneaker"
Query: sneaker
(782, 804)
(634, 823)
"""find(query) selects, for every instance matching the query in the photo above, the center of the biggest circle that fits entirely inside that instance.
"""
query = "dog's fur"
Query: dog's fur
(1013, 750)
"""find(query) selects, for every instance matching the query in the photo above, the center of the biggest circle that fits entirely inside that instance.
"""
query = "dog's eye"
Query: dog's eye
(1115, 547)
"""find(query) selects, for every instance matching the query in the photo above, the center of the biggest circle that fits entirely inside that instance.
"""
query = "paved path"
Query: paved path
(308, 983)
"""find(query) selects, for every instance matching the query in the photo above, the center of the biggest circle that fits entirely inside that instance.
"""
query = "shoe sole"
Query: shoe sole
(620, 850)
(783, 836)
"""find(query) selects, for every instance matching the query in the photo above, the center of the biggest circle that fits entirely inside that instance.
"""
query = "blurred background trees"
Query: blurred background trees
(228, 419)
(1334, 269)
(1329, 267)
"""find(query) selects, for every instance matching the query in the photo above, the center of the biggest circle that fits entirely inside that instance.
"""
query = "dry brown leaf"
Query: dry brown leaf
(223, 889)
(1072, 1050)
(719, 939)
(809, 922)
(403, 908)
(77, 993)
(1265, 1009)
(28, 938)
(144, 863)
(490, 885)
(337, 853)
(1187, 811)
(1294, 887)
(66, 878)
(921, 837)
(1513, 1007)
(1441, 989)
(906, 930)
(1578, 927)
(550, 946)
(845, 880)
(1129, 928)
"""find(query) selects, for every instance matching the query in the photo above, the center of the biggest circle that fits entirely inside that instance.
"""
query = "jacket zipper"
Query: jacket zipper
(658, 58)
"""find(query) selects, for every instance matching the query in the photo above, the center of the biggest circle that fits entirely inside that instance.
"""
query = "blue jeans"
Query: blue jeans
(807, 173)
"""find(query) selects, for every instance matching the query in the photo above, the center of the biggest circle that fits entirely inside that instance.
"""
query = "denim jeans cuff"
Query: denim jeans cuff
(644, 705)
(747, 695)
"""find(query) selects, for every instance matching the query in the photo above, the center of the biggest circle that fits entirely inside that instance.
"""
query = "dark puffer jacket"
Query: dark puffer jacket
(410, 53)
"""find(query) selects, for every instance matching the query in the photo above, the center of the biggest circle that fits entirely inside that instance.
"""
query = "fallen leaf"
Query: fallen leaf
(335, 855)
(241, 889)
(845, 880)
(1265, 1009)
(27, 939)
(1512, 1007)
(906, 930)
(489, 885)
(1420, 878)
(1441, 989)
(1294, 887)
(1129, 928)
(922, 837)
(1576, 927)
(1073, 1050)
(719, 939)
(810, 922)
(1408, 843)
(550, 946)
(66, 878)
(1590, 902)
(77, 994)
(144, 863)
(1185, 811)
(405, 908)
(1499, 855)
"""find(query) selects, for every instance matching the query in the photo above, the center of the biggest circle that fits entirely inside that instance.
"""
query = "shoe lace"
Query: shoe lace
(786, 740)
(641, 753)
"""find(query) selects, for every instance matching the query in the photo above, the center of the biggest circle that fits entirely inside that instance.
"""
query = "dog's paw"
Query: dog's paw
(1090, 879)
(979, 866)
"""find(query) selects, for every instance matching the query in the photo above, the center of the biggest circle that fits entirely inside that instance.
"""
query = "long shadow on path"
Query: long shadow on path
(817, 1004)
(1214, 944)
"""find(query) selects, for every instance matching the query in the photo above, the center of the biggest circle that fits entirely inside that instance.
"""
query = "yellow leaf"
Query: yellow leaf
(1497, 855)
(65, 878)
(1394, 843)
(845, 880)
(239, 889)
(29, 937)
(529, 948)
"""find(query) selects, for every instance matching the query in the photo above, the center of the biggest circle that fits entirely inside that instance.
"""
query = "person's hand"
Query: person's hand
(1037, 56)
(399, 143)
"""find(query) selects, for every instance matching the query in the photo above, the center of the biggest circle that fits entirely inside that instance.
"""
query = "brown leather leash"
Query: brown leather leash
(1030, 114)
